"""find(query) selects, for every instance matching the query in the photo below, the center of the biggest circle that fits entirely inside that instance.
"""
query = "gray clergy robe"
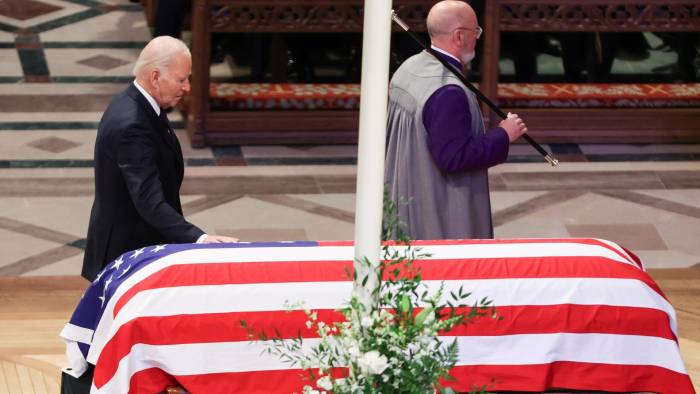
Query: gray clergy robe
(442, 172)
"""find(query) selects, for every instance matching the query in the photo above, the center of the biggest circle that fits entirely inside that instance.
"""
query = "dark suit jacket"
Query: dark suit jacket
(138, 173)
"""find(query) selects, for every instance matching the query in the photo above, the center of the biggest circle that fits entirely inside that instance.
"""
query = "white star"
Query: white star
(137, 253)
(117, 263)
(98, 277)
(124, 271)
(158, 248)
(107, 282)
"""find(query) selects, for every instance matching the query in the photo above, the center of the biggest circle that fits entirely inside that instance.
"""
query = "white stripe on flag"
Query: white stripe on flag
(332, 295)
(71, 332)
(346, 253)
(528, 349)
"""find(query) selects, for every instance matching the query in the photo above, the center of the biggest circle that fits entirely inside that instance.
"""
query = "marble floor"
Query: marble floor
(55, 80)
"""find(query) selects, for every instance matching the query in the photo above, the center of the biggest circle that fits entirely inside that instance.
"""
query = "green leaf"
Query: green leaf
(423, 315)
(405, 304)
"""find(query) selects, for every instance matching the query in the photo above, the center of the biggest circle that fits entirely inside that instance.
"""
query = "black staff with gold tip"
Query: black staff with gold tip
(551, 160)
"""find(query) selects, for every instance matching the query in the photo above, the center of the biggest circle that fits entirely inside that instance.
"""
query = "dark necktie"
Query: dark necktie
(163, 117)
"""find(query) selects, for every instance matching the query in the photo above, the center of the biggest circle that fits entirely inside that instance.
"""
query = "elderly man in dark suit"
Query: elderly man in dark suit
(138, 162)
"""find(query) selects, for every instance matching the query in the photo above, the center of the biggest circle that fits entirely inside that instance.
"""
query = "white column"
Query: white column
(374, 91)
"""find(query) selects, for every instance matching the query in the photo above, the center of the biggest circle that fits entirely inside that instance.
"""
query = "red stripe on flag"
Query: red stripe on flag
(537, 378)
(258, 382)
(238, 273)
(152, 380)
(330, 271)
(262, 382)
(572, 375)
(225, 327)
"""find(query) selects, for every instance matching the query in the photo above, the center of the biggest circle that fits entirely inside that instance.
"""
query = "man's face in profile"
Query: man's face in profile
(173, 84)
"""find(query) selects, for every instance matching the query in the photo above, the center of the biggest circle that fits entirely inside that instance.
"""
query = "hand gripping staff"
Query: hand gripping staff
(551, 160)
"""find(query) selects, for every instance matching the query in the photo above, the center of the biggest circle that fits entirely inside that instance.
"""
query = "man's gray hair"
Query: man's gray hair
(158, 54)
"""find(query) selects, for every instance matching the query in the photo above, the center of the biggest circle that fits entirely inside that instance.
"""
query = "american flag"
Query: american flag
(579, 314)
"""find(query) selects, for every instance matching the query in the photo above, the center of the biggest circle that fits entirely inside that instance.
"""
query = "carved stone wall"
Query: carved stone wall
(597, 15)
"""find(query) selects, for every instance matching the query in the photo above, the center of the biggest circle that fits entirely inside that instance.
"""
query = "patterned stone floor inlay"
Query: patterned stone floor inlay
(53, 144)
(102, 62)
(118, 62)
(25, 9)
(104, 30)
(38, 17)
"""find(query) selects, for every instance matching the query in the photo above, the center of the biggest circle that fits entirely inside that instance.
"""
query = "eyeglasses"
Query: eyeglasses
(478, 30)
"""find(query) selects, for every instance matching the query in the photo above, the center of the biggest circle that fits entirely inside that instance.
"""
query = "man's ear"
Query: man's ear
(458, 36)
(154, 76)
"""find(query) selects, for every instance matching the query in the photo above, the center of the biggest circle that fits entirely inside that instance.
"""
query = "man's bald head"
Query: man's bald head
(158, 54)
(453, 27)
(447, 15)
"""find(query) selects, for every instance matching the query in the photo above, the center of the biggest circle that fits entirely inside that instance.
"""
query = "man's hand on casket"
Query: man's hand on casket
(218, 239)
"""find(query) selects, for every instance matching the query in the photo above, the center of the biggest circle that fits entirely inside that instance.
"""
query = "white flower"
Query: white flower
(325, 383)
(372, 363)
(353, 351)
(366, 322)
(310, 390)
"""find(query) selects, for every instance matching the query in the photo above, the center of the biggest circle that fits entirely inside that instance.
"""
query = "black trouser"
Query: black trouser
(81, 385)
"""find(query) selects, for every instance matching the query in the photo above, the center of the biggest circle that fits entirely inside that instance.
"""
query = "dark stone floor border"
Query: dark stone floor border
(68, 125)
(94, 45)
(652, 202)
(533, 182)
(47, 125)
(35, 231)
(93, 79)
(39, 260)
(533, 205)
(207, 202)
(72, 245)
(67, 20)
(27, 103)
(307, 206)
(604, 180)
(320, 184)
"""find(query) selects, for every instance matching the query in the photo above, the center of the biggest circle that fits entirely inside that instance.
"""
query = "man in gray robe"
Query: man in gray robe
(438, 152)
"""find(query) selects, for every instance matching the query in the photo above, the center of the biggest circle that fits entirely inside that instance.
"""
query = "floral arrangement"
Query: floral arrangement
(392, 346)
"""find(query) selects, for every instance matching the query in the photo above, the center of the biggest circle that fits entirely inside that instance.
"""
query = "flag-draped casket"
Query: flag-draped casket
(577, 314)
